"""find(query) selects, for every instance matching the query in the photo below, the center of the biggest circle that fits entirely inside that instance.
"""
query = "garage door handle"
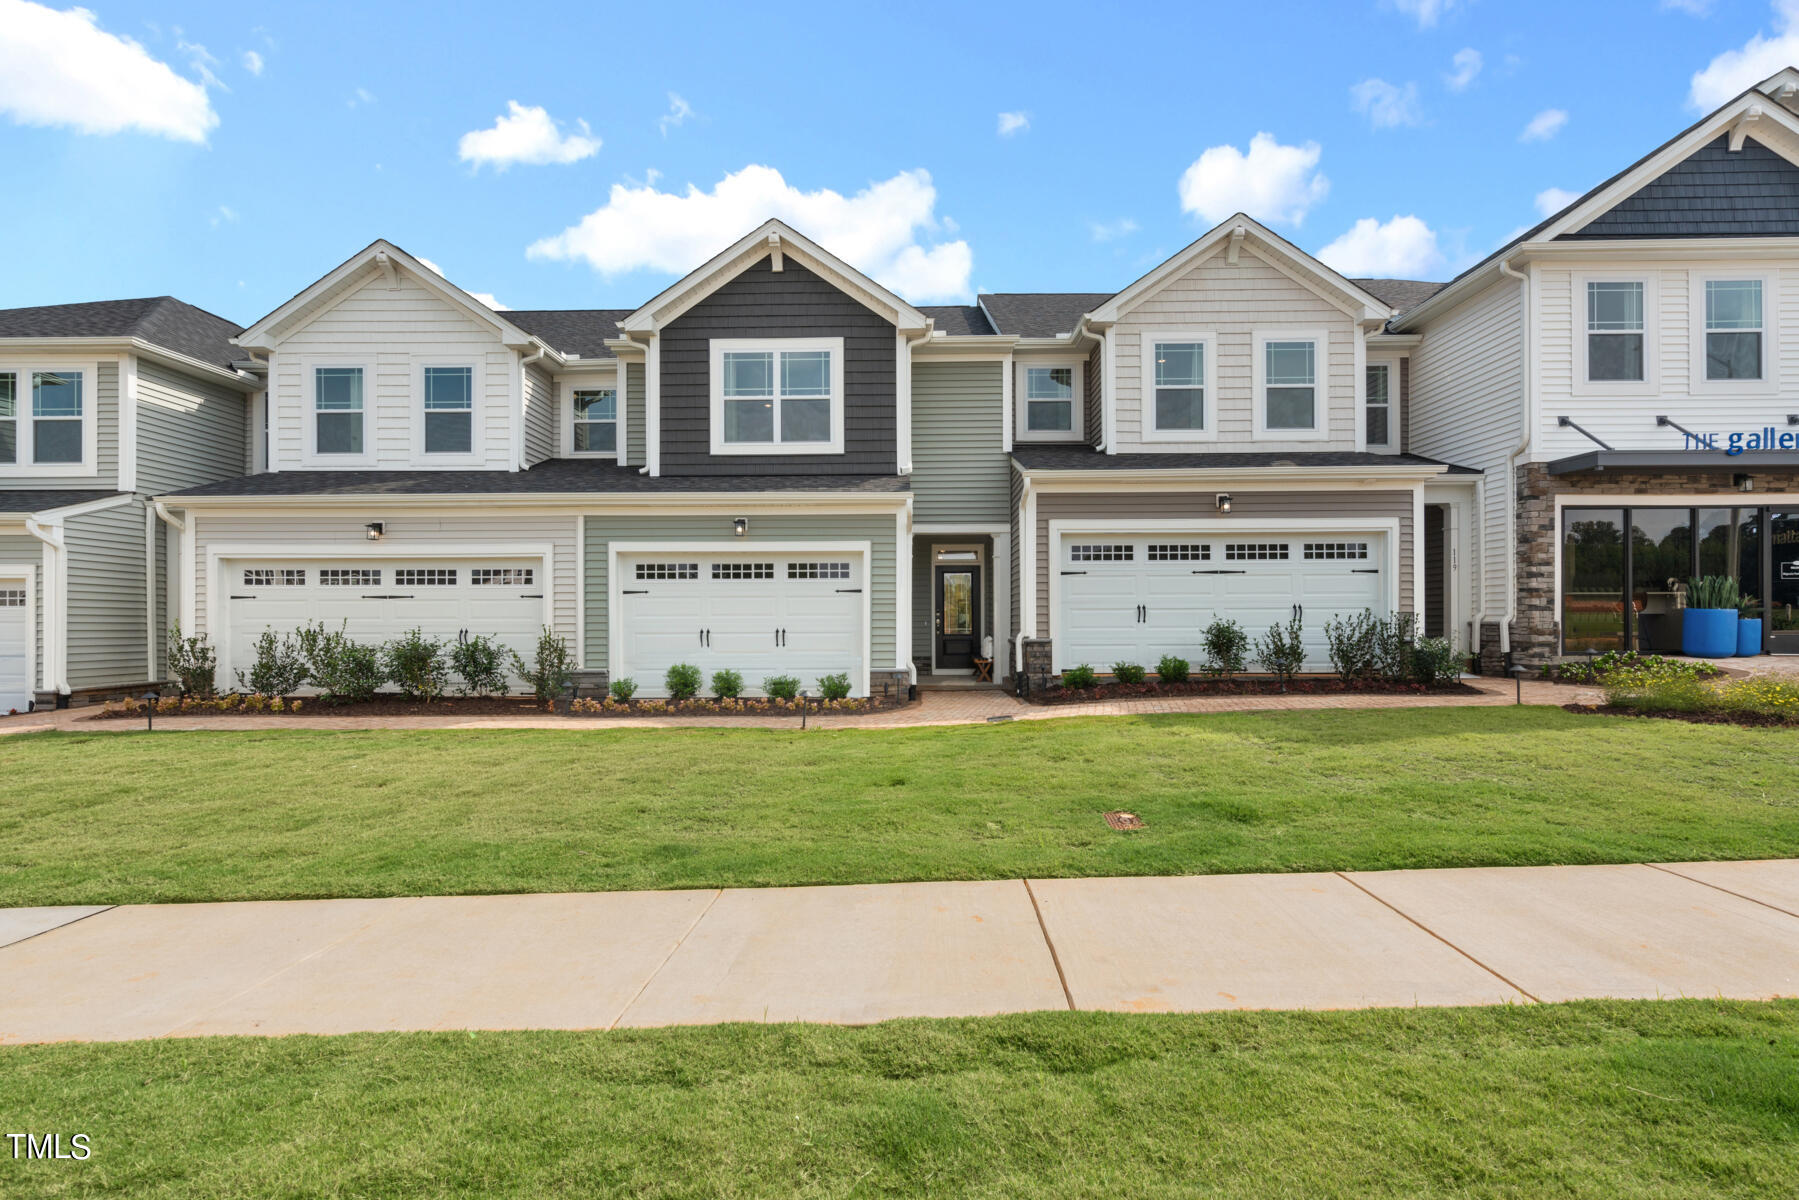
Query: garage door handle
(1074, 572)
(1364, 570)
(1221, 572)
(235, 597)
(854, 591)
(531, 596)
(637, 591)
(385, 596)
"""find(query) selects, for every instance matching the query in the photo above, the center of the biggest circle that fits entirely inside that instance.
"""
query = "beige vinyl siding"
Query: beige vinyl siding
(959, 464)
(106, 643)
(540, 415)
(1467, 408)
(1246, 509)
(389, 332)
(634, 414)
(189, 430)
(878, 529)
(23, 550)
(1234, 303)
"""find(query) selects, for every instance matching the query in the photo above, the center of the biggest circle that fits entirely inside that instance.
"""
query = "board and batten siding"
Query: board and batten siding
(634, 414)
(960, 471)
(540, 415)
(388, 331)
(1246, 509)
(792, 303)
(878, 529)
(1234, 303)
(23, 550)
(1467, 408)
(106, 634)
(189, 430)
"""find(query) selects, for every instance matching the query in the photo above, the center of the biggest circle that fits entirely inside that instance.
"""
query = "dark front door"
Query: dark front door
(958, 617)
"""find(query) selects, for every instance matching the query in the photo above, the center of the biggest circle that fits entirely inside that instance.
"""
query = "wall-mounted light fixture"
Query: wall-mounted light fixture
(740, 526)
(1743, 483)
(1223, 500)
(375, 530)
(1793, 418)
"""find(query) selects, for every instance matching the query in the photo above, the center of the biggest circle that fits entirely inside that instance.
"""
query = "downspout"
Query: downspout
(1511, 460)
(179, 525)
(55, 591)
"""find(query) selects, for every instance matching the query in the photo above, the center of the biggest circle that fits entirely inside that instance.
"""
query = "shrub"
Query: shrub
(1352, 645)
(834, 687)
(1078, 678)
(1128, 672)
(1227, 648)
(1650, 690)
(727, 685)
(1282, 653)
(1435, 662)
(481, 662)
(781, 687)
(1395, 637)
(623, 689)
(280, 668)
(415, 664)
(1613, 661)
(683, 681)
(552, 667)
(1771, 697)
(346, 672)
(193, 662)
(1173, 670)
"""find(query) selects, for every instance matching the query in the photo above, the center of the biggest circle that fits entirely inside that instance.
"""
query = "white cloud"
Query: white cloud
(1695, 8)
(61, 68)
(526, 135)
(678, 112)
(252, 62)
(1425, 12)
(1014, 122)
(1467, 63)
(1402, 248)
(1544, 125)
(361, 96)
(1553, 200)
(224, 214)
(1385, 105)
(1738, 70)
(1111, 231)
(878, 230)
(486, 298)
(1272, 183)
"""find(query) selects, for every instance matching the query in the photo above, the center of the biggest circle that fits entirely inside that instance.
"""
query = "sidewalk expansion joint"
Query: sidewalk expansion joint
(1061, 975)
(40, 933)
(1433, 933)
(672, 951)
(1719, 887)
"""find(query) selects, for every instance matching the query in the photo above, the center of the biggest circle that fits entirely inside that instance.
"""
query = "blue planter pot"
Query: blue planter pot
(1709, 633)
(1749, 637)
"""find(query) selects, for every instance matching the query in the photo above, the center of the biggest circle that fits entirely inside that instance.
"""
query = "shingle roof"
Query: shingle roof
(1085, 458)
(558, 475)
(42, 500)
(1399, 294)
(957, 320)
(1040, 314)
(160, 320)
(581, 331)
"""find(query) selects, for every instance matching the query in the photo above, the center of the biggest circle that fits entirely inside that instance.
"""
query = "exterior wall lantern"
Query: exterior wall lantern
(1223, 500)
(740, 526)
(374, 531)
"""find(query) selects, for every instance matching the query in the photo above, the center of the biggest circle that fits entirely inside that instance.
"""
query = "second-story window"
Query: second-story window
(449, 410)
(777, 397)
(1380, 391)
(337, 409)
(596, 421)
(9, 417)
(1290, 385)
(1049, 399)
(56, 431)
(1615, 331)
(1180, 386)
(1733, 329)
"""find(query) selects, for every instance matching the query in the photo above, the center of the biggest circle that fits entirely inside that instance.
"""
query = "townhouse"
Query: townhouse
(778, 466)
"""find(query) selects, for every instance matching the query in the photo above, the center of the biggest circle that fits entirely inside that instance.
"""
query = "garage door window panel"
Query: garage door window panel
(449, 410)
(743, 570)
(338, 410)
(350, 577)
(502, 577)
(425, 577)
(1255, 551)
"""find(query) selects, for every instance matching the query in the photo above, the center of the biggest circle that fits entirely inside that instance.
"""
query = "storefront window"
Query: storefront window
(1592, 579)
(1783, 587)
(1661, 560)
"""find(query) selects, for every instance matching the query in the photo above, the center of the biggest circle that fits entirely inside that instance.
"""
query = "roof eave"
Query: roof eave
(137, 345)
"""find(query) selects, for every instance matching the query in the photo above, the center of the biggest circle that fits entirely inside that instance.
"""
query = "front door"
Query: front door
(1783, 585)
(958, 617)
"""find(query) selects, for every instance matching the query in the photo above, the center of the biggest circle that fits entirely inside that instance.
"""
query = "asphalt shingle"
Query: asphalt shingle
(557, 475)
(160, 320)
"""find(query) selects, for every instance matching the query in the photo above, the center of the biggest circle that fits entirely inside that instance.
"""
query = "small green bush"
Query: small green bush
(781, 687)
(1173, 669)
(1282, 653)
(280, 668)
(834, 687)
(193, 663)
(1128, 672)
(346, 671)
(1078, 678)
(415, 664)
(1436, 663)
(552, 668)
(1649, 690)
(1612, 661)
(727, 685)
(1352, 643)
(682, 681)
(1395, 639)
(623, 689)
(1227, 648)
(481, 662)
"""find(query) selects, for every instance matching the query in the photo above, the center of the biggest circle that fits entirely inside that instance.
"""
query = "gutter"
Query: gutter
(136, 345)
(55, 609)
(1511, 463)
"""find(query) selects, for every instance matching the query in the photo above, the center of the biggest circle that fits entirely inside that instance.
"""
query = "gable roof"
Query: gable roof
(1039, 314)
(161, 321)
(576, 332)
(958, 320)
(1399, 294)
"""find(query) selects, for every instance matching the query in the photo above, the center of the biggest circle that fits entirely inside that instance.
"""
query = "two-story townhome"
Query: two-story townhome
(1624, 376)
(101, 406)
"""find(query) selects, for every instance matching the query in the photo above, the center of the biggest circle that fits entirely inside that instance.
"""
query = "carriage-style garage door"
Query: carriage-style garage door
(1132, 598)
(15, 646)
(756, 613)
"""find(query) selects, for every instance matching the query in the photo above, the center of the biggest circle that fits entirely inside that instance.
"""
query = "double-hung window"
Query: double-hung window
(9, 418)
(1379, 389)
(47, 421)
(337, 410)
(449, 410)
(777, 397)
(1177, 372)
(1733, 329)
(56, 429)
(1288, 366)
(595, 421)
(1615, 347)
(1049, 399)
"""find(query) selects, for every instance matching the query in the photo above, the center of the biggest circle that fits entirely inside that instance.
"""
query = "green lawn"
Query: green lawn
(1647, 1099)
(113, 818)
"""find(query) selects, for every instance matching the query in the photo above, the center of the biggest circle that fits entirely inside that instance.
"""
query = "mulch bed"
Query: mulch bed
(1310, 686)
(1749, 720)
(507, 706)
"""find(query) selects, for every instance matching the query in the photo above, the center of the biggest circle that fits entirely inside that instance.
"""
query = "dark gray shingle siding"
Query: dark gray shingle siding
(1753, 192)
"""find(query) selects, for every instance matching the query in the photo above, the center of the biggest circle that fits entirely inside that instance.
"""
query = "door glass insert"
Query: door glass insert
(958, 602)
(1783, 588)
(1661, 559)
(1592, 579)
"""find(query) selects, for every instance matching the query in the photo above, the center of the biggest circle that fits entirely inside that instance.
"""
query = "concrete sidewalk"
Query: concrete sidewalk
(869, 953)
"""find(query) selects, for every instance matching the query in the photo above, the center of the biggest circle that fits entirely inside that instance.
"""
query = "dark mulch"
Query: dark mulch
(504, 706)
(1253, 686)
(1750, 720)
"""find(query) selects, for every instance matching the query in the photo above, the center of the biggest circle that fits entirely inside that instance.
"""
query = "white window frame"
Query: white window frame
(1391, 365)
(1769, 382)
(1149, 431)
(722, 346)
(1650, 384)
(23, 467)
(309, 452)
(475, 455)
(1321, 399)
(1021, 425)
(566, 387)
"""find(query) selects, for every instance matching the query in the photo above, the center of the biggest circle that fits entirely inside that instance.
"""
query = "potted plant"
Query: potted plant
(1710, 628)
(1749, 627)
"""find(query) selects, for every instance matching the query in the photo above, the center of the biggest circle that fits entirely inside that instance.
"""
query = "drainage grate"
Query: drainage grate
(1124, 820)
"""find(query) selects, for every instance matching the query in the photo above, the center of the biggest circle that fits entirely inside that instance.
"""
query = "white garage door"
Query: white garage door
(1133, 598)
(15, 644)
(380, 599)
(758, 614)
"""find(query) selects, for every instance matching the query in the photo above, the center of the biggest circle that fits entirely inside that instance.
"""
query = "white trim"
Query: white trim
(28, 573)
(652, 405)
(1417, 554)
(309, 429)
(1006, 434)
(25, 422)
(1321, 393)
(1108, 391)
(717, 348)
(476, 455)
(1027, 569)
(1024, 364)
(151, 528)
(1650, 384)
(64, 512)
(902, 597)
(1001, 573)
(615, 664)
(1769, 383)
(1363, 442)
(1208, 342)
(902, 407)
(127, 473)
(566, 388)
(580, 592)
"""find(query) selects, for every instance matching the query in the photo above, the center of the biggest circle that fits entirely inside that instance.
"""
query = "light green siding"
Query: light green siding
(959, 466)
(878, 529)
(23, 550)
(106, 643)
(634, 417)
(189, 430)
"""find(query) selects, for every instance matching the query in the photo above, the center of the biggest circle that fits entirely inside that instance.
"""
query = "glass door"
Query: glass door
(1783, 584)
(1592, 579)
(1661, 560)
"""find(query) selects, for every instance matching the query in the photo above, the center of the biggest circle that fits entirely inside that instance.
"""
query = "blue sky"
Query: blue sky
(231, 153)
